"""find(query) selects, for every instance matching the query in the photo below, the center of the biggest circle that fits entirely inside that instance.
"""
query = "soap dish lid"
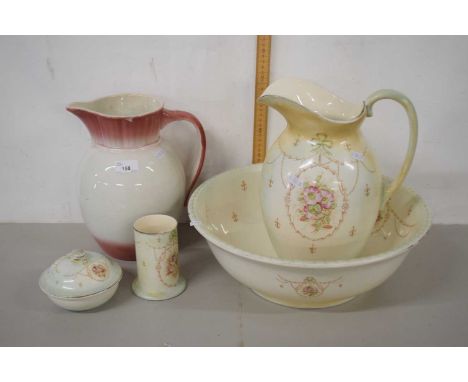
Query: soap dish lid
(80, 273)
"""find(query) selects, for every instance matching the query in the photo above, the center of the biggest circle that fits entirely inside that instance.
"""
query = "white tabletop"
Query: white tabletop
(424, 303)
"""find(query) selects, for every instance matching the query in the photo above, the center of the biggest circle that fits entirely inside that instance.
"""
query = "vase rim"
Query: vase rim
(119, 106)
(313, 100)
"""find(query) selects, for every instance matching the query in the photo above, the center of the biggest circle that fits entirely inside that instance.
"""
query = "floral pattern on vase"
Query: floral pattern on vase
(323, 134)
(300, 169)
(167, 265)
(318, 202)
(157, 251)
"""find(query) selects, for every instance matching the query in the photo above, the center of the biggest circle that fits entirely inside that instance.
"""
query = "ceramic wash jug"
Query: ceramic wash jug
(130, 171)
(322, 188)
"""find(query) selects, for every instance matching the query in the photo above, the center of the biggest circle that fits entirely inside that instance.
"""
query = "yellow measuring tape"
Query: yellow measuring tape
(262, 79)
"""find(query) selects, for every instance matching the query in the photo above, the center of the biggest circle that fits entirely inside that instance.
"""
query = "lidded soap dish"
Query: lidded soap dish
(81, 280)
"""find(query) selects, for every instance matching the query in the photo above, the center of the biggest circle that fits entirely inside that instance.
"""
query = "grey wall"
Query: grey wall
(41, 144)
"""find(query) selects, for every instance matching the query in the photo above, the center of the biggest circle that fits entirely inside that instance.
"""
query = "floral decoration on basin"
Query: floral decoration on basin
(309, 287)
(244, 249)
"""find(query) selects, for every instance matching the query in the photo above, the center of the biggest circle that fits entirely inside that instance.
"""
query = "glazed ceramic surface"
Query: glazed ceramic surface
(78, 304)
(130, 171)
(322, 188)
(81, 280)
(226, 211)
(157, 254)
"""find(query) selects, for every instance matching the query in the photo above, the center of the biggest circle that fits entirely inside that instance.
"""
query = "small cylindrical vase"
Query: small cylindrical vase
(157, 255)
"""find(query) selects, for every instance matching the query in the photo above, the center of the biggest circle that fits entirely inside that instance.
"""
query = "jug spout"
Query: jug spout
(303, 102)
(122, 120)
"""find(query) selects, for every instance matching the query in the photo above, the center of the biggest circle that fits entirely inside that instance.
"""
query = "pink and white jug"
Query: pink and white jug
(130, 171)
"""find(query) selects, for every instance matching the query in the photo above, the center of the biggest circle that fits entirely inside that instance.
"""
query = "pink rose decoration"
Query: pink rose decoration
(327, 199)
(318, 203)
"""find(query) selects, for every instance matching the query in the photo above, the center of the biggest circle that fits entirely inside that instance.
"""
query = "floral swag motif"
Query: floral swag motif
(309, 287)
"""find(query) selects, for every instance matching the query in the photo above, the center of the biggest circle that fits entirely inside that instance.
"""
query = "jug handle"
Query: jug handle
(178, 115)
(413, 136)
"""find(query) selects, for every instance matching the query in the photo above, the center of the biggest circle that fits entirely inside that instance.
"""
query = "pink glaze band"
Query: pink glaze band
(118, 251)
(139, 131)
(121, 132)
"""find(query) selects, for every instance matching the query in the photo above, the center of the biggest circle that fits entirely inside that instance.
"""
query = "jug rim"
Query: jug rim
(334, 121)
(314, 99)
(87, 106)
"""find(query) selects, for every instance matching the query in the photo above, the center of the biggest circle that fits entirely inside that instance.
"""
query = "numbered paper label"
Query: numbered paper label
(125, 166)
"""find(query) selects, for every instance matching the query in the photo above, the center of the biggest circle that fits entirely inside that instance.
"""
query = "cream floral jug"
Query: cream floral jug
(322, 188)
